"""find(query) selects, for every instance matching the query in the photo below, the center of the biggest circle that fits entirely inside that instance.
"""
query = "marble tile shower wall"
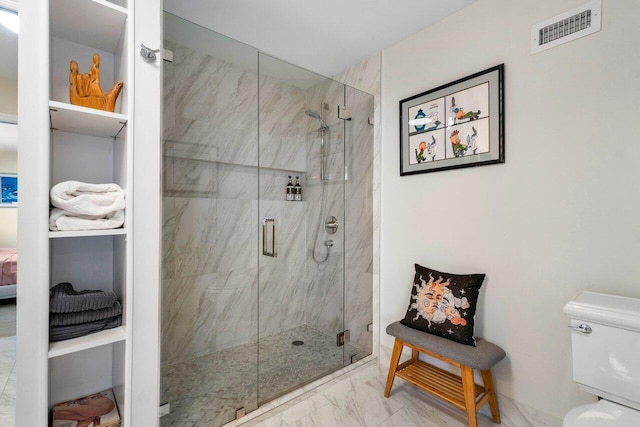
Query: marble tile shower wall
(335, 297)
(325, 296)
(283, 137)
(211, 232)
(347, 190)
(210, 208)
(366, 76)
(359, 220)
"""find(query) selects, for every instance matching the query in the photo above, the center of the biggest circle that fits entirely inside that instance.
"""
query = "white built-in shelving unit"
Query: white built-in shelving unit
(91, 145)
(81, 144)
(60, 142)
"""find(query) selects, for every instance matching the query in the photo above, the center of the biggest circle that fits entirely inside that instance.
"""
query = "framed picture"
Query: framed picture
(9, 185)
(458, 125)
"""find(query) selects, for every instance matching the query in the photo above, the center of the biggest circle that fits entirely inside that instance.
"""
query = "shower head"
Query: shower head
(315, 115)
(312, 114)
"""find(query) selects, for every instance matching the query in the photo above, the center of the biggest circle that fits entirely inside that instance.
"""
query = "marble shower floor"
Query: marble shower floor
(207, 390)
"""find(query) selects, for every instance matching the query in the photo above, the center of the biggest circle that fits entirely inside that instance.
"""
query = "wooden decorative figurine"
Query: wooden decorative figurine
(84, 89)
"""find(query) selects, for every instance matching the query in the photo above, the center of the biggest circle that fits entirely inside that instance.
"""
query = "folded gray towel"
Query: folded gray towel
(64, 299)
(60, 333)
(79, 317)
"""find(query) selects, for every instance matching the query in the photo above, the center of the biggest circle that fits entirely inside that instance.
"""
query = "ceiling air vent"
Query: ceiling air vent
(568, 26)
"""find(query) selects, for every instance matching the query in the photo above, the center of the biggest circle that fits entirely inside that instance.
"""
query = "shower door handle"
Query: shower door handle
(270, 237)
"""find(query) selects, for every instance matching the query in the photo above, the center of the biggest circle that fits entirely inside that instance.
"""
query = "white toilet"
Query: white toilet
(605, 340)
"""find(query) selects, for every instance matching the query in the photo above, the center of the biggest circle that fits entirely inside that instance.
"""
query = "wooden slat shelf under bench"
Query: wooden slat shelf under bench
(437, 381)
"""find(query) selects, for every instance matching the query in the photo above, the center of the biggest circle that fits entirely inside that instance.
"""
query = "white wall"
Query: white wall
(561, 215)
(8, 216)
(8, 96)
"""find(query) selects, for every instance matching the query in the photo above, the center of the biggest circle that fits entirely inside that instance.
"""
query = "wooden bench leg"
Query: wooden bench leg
(393, 365)
(487, 379)
(468, 386)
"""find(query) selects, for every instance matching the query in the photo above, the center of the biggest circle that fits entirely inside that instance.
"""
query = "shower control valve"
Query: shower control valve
(331, 224)
(328, 243)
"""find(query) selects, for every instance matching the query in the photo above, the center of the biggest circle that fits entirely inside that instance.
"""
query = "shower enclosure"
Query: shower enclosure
(261, 295)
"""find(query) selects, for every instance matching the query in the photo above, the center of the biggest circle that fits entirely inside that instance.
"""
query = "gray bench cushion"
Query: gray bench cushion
(483, 356)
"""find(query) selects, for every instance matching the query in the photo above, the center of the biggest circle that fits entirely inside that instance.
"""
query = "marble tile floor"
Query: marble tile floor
(206, 391)
(355, 399)
(352, 399)
(7, 381)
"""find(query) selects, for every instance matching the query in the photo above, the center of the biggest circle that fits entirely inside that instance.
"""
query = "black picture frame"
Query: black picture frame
(438, 132)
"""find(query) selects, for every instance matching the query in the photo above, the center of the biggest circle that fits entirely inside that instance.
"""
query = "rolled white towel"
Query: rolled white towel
(61, 220)
(87, 199)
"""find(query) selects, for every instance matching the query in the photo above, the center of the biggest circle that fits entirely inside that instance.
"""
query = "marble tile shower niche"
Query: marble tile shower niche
(241, 328)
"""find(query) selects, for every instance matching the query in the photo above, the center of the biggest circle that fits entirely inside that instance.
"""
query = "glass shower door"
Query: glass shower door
(301, 257)
(210, 190)
(265, 286)
(358, 195)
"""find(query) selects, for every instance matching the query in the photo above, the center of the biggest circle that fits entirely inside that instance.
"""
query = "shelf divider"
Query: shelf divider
(85, 121)
(86, 342)
(87, 233)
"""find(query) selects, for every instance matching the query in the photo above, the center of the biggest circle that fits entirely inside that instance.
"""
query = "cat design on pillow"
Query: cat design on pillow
(435, 302)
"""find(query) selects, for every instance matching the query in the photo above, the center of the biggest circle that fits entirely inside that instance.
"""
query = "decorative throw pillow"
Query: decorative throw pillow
(444, 304)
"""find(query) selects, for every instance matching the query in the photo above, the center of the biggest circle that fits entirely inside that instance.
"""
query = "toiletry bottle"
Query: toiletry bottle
(298, 190)
(290, 191)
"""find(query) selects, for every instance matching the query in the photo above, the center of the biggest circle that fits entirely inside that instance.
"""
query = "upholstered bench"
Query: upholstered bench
(460, 391)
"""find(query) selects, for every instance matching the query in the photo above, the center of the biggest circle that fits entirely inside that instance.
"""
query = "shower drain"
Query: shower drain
(297, 342)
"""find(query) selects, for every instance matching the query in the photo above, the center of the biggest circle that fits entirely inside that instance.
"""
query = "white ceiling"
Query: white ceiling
(325, 36)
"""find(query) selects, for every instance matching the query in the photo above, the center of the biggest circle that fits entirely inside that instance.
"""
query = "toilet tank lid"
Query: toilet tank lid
(612, 310)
